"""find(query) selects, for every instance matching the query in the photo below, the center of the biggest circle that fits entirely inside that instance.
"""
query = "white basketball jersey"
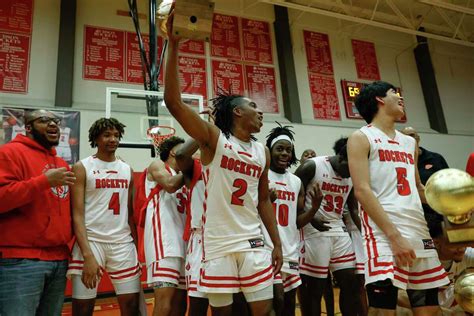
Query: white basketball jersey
(65, 134)
(231, 220)
(106, 200)
(164, 222)
(285, 207)
(18, 129)
(335, 190)
(392, 180)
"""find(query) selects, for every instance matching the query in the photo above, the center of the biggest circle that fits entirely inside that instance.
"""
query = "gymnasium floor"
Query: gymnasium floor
(109, 306)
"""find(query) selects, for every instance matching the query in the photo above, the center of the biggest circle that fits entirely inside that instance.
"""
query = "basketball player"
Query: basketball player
(400, 252)
(164, 226)
(331, 249)
(64, 148)
(192, 172)
(288, 202)
(103, 224)
(308, 153)
(235, 258)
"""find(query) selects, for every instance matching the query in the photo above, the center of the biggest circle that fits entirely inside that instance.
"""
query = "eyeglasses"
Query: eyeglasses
(46, 120)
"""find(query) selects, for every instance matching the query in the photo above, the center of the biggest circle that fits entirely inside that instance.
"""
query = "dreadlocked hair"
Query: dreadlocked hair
(165, 147)
(283, 130)
(223, 111)
(103, 124)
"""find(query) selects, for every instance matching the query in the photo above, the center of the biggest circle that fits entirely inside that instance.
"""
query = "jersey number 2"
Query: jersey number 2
(403, 186)
(241, 186)
(114, 203)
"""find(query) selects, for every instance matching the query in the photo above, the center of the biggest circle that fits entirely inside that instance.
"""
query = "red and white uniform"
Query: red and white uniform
(392, 180)
(194, 251)
(64, 148)
(106, 220)
(163, 235)
(286, 206)
(234, 254)
(330, 249)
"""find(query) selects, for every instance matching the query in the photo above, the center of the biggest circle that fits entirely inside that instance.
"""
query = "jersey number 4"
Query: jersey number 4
(403, 186)
(114, 203)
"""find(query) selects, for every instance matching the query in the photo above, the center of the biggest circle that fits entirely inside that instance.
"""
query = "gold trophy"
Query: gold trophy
(464, 290)
(192, 18)
(450, 192)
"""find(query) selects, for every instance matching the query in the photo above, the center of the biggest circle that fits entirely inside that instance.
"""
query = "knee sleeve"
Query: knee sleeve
(420, 298)
(382, 294)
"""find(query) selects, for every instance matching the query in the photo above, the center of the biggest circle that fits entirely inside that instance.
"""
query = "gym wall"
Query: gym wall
(453, 67)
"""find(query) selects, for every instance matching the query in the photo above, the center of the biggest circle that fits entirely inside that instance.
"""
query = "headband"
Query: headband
(281, 137)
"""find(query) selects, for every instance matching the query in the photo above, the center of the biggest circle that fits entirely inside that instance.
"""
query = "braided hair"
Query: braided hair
(167, 145)
(283, 130)
(103, 124)
(223, 110)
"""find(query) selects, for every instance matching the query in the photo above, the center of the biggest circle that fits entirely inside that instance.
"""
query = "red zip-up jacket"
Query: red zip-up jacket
(35, 219)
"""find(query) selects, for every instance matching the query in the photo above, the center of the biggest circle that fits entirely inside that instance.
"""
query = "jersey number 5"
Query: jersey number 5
(403, 186)
(241, 186)
(114, 203)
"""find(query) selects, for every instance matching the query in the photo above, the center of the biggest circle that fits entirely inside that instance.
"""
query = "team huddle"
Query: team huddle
(220, 220)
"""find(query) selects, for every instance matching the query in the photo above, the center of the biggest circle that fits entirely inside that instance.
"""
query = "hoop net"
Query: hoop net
(158, 134)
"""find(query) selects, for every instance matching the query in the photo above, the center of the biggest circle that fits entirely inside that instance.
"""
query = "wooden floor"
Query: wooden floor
(109, 306)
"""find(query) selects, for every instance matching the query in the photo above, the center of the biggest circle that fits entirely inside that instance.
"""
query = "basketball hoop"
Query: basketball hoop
(158, 134)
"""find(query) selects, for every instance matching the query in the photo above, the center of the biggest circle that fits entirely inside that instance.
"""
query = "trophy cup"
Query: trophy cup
(450, 192)
(464, 290)
(192, 18)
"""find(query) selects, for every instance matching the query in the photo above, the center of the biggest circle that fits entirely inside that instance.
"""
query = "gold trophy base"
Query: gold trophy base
(459, 232)
(193, 19)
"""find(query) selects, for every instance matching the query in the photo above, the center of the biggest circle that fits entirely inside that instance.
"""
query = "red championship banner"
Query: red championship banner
(192, 47)
(134, 72)
(16, 16)
(225, 38)
(365, 60)
(14, 62)
(324, 97)
(262, 87)
(350, 90)
(104, 54)
(257, 41)
(227, 76)
(192, 75)
(318, 53)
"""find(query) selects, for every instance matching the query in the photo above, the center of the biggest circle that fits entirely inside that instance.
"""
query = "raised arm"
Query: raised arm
(358, 148)
(158, 173)
(91, 272)
(184, 158)
(203, 132)
(265, 209)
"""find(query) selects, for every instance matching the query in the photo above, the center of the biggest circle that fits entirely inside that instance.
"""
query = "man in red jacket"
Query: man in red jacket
(35, 220)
